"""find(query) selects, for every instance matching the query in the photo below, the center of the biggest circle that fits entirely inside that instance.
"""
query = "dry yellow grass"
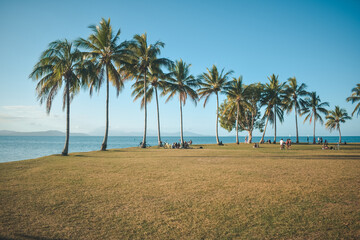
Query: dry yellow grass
(219, 192)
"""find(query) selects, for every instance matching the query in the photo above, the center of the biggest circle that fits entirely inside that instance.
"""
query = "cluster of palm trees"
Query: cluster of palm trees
(277, 98)
(89, 63)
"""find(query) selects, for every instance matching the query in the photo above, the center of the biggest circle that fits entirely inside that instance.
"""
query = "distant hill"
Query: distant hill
(185, 133)
(100, 132)
(36, 134)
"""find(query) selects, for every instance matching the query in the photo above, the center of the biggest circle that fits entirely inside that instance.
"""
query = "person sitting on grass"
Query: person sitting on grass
(325, 146)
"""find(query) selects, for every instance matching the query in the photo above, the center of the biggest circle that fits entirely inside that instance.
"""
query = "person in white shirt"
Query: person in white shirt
(282, 143)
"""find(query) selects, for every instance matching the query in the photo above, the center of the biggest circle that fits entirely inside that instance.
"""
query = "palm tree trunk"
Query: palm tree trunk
(339, 135)
(181, 124)
(143, 144)
(314, 132)
(217, 119)
(250, 136)
(262, 138)
(104, 144)
(66, 146)
(237, 123)
(297, 133)
(158, 117)
(251, 128)
(275, 123)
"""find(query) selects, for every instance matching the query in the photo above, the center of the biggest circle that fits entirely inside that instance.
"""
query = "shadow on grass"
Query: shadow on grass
(24, 236)
(118, 150)
(322, 157)
(80, 155)
(316, 157)
(349, 148)
(5, 238)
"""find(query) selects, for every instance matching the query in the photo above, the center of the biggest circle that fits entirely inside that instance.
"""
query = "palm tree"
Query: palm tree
(145, 60)
(155, 81)
(313, 107)
(181, 82)
(269, 115)
(355, 97)
(59, 65)
(107, 53)
(334, 118)
(292, 99)
(272, 99)
(213, 82)
(236, 92)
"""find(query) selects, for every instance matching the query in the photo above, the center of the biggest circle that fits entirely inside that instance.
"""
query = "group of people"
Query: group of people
(325, 146)
(268, 141)
(284, 144)
(177, 145)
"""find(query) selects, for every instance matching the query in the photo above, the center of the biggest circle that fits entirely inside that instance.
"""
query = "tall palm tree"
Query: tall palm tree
(269, 115)
(355, 97)
(334, 118)
(273, 100)
(107, 53)
(213, 82)
(60, 64)
(236, 92)
(155, 81)
(313, 108)
(181, 82)
(292, 99)
(145, 59)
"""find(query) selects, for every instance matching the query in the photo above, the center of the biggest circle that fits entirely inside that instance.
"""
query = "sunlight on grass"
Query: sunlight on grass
(218, 192)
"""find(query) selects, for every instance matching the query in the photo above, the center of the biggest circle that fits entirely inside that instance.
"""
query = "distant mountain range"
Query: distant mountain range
(36, 134)
(95, 133)
(100, 132)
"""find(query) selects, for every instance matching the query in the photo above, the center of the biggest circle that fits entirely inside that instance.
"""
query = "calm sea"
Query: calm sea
(20, 148)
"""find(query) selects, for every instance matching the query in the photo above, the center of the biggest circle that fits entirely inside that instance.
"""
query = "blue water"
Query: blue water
(20, 148)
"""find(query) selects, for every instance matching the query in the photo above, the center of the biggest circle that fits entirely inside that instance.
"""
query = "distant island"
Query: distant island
(37, 134)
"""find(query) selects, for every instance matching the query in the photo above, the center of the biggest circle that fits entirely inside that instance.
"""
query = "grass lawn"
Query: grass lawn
(218, 192)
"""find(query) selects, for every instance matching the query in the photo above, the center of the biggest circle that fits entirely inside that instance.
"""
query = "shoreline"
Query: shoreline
(195, 146)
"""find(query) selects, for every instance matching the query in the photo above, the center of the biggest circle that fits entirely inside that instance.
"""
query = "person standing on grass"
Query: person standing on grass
(281, 144)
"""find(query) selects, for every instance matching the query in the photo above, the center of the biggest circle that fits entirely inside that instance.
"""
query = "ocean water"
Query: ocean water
(14, 148)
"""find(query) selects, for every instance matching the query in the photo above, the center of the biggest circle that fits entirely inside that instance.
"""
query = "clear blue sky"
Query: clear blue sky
(315, 41)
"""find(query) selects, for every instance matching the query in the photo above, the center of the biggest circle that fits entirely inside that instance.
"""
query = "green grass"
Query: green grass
(219, 192)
